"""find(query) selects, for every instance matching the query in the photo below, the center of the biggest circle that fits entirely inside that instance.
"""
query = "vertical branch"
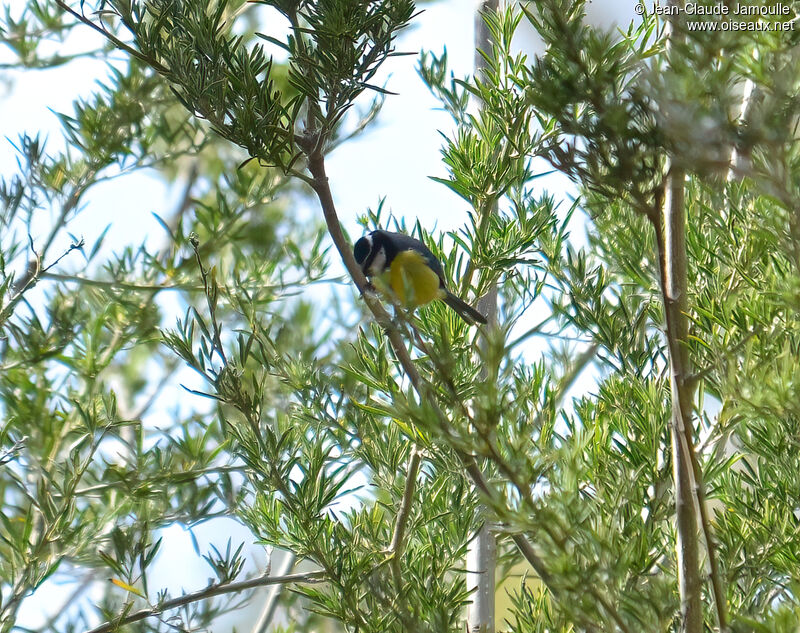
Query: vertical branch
(690, 498)
(481, 564)
(674, 288)
(403, 513)
(482, 552)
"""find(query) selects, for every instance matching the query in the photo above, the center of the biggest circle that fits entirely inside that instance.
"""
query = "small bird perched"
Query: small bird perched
(412, 271)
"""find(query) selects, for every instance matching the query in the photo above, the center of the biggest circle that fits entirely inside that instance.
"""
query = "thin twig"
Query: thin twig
(163, 383)
(534, 331)
(211, 591)
(720, 603)
(31, 278)
(403, 513)
(112, 284)
(186, 198)
(53, 62)
(154, 63)
(211, 292)
(573, 372)
(127, 484)
(119, 285)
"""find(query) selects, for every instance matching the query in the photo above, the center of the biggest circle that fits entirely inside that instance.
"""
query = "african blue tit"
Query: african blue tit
(411, 271)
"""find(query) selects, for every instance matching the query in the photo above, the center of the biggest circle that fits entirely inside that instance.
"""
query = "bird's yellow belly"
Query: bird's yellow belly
(412, 280)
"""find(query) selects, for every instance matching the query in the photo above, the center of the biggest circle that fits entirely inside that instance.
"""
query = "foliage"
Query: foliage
(322, 435)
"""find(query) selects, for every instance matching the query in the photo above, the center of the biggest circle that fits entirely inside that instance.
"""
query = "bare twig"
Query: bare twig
(211, 591)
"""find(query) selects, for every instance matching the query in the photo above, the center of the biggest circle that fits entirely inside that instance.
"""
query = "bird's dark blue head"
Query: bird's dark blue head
(362, 249)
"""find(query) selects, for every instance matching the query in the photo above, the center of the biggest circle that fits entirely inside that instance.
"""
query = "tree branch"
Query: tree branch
(671, 240)
(688, 475)
(482, 550)
(31, 278)
(211, 591)
(401, 520)
(155, 64)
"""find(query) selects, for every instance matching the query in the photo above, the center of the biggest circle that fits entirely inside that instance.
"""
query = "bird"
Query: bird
(413, 273)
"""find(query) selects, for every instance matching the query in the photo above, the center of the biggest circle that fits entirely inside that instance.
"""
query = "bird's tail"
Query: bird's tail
(463, 309)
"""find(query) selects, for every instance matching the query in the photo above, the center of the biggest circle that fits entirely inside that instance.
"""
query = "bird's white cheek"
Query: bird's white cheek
(376, 267)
